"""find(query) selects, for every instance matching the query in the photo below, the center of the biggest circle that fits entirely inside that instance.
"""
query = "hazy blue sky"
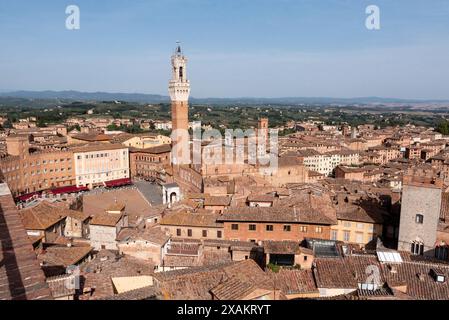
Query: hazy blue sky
(265, 48)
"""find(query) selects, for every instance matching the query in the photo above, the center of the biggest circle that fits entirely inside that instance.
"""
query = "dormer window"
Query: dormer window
(438, 275)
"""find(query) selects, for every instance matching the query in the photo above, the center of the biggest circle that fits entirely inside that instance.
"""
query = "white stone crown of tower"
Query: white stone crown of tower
(179, 86)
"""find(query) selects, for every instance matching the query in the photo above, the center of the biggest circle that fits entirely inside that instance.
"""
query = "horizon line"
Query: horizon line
(6, 91)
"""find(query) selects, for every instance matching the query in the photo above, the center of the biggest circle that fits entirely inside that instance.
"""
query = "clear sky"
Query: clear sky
(236, 48)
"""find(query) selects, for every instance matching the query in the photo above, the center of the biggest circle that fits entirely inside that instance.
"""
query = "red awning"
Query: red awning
(118, 183)
(69, 189)
(25, 197)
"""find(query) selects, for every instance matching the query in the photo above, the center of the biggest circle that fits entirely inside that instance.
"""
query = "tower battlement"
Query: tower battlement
(179, 86)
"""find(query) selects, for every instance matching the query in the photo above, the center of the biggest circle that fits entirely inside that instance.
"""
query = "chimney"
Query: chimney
(393, 268)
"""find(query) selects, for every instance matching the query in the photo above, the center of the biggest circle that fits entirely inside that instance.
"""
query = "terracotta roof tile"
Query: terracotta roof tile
(20, 274)
(295, 281)
(42, 216)
(277, 214)
(192, 219)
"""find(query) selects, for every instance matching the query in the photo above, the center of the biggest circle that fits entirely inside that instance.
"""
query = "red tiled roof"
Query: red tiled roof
(295, 281)
(21, 277)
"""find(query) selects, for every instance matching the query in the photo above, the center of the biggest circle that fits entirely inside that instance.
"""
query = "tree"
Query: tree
(443, 127)
(134, 129)
(7, 124)
(76, 126)
(41, 123)
(112, 127)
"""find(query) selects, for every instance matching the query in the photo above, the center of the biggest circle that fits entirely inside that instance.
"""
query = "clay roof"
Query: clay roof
(92, 137)
(215, 257)
(54, 238)
(276, 215)
(359, 214)
(106, 219)
(293, 281)
(191, 219)
(417, 276)
(154, 235)
(217, 201)
(233, 289)
(326, 271)
(42, 216)
(78, 215)
(444, 214)
(20, 274)
(122, 137)
(63, 256)
(308, 153)
(414, 274)
(97, 274)
(116, 207)
(261, 197)
(196, 283)
(163, 148)
(181, 261)
(96, 146)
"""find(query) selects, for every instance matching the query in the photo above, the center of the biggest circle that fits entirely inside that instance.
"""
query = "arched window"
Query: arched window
(180, 73)
(417, 248)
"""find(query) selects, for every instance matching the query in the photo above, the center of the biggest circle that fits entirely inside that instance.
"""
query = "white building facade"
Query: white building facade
(94, 166)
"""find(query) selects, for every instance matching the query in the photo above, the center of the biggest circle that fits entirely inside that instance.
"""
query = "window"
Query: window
(234, 226)
(347, 224)
(346, 235)
(178, 232)
(189, 232)
(334, 234)
(219, 234)
(303, 228)
(359, 237)
(287, 228)
(204, 233)
(318, 229)
(269, 227)
(417, 248)
(252, 227)
(305, 258)
(359, 225)
(419, 218)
